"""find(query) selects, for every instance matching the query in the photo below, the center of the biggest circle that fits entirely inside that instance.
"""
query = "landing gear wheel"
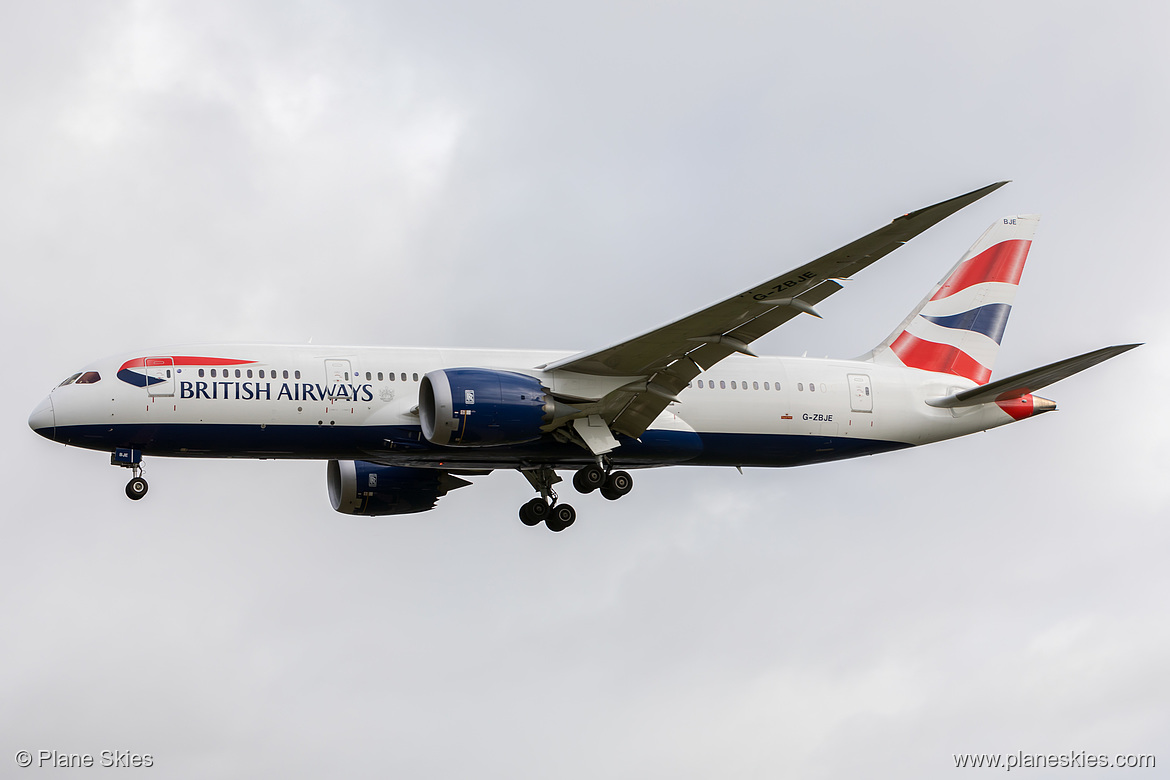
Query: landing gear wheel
(136, 488)
(561, 517)
(534, 512)
(617, 485)
(588, 479)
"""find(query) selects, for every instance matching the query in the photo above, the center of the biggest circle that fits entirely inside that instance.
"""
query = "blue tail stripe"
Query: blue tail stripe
(990, 320)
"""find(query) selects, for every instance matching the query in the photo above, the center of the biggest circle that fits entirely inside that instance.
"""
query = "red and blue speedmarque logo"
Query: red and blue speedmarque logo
(147, 371)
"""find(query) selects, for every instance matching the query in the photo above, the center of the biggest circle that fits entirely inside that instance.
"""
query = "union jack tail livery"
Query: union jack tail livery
(958, 328)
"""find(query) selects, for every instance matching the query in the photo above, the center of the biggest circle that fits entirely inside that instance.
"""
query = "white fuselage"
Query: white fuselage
(322, 402)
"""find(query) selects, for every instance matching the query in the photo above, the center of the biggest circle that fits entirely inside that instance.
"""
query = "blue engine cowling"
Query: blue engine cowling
(478, 407)
(362, 488)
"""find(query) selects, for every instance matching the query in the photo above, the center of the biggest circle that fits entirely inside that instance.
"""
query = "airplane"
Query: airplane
(401, 427)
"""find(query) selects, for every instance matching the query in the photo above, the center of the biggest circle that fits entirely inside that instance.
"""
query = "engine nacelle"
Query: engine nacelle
(478, 407)
(363, 488)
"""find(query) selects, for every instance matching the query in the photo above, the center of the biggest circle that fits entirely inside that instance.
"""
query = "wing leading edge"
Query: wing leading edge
(672, 355)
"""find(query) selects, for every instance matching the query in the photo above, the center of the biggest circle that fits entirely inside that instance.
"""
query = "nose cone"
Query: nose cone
(42, 419)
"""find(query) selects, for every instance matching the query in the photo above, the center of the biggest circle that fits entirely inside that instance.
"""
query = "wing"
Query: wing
(669, 357)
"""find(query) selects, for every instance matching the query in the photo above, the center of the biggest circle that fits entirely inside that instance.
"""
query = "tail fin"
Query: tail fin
(958, 328)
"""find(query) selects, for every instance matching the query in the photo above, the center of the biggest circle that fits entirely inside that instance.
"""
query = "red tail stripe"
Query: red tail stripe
(931, 356)
(1003, 262)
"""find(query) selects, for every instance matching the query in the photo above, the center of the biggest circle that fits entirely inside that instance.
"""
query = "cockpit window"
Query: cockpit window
(89, 378)
(69, 381)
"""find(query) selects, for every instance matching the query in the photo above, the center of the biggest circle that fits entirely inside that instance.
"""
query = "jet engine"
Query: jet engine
(477, 407)
(363, 488)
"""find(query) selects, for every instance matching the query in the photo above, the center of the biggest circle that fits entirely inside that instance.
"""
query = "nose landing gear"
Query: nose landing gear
(136, 488)
(131, 459)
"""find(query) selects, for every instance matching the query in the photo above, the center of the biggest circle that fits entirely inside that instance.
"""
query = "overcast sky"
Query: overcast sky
(538, 175)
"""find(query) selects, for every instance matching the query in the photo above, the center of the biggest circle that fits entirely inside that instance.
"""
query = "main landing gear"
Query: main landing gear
(545, 509)
(613, 485)
(131, 459)
(558, 517)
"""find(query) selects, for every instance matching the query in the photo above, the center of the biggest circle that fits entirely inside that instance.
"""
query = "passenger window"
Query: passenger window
(379, 376)
(237, 373)
(89, 378)
(733, 387)
(69, 380)
(213, 373)
(800, 386)
(297, 374)
(392, 376)
(743, 384)
(368, 376)
(403, 376)
(755, 385)
(285, 374)
(722, 385)
(811, 387)
(766, 386)
(777, 385)
(201, 373)
(416, 377)
(824, 389)
(249, 373)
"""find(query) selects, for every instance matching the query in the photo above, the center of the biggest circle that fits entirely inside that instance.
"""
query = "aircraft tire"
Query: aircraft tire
(561, 517)
(534, 512)
(618, 484)
(588, 479)
(136, 488)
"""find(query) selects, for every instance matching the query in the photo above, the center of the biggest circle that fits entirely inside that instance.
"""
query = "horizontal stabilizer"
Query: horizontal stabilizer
(1029, 381)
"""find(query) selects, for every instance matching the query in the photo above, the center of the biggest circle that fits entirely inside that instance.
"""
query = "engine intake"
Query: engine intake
(363, 488)
(478, 407)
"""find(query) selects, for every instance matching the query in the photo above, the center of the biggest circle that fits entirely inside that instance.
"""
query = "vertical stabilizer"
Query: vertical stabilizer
(958, 328)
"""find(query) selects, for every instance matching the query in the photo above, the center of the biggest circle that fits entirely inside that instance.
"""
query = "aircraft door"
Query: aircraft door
(337, 371)
(160, 376)
(860, 393)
